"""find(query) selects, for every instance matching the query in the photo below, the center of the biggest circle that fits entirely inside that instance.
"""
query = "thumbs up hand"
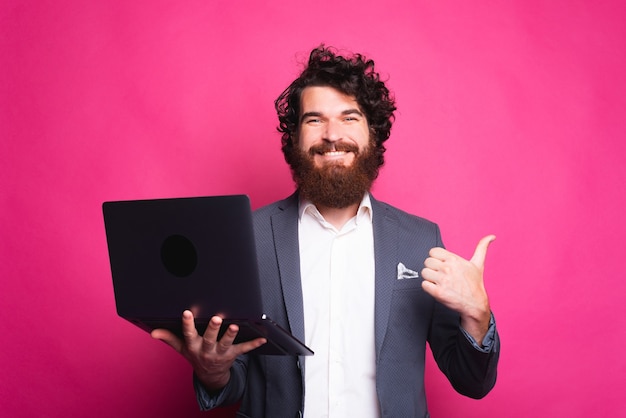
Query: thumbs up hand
(458, 284)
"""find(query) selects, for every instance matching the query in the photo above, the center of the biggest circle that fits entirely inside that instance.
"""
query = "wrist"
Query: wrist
(212, 383)
(476, 323)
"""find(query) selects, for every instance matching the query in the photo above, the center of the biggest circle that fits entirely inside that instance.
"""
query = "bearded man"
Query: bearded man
(364, 284)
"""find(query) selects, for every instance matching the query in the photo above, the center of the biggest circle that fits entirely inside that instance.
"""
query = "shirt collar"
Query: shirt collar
(364, 210)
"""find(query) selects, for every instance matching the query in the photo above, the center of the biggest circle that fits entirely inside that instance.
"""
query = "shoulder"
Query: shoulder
(410, 228)
(284, 206)
(384, 210)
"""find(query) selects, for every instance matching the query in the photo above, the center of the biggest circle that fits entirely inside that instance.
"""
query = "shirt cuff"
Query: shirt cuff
(206, 400)
(489, 339)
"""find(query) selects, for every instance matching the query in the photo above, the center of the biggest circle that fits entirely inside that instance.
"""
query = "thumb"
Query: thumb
(478, 259)
(168, 338)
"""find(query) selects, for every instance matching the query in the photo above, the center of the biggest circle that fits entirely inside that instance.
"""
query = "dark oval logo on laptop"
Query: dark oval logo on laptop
(179, 255)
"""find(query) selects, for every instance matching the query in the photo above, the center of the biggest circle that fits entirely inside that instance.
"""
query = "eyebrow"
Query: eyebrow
(350, 111)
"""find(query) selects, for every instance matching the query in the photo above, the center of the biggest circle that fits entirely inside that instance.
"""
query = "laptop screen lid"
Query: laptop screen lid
(196, 253)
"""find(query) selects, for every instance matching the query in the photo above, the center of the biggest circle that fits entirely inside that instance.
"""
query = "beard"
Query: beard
(335, 185)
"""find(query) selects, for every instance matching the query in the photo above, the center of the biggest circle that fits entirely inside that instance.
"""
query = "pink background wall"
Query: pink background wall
(511, 121)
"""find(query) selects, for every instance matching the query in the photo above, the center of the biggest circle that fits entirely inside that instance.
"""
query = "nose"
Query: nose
(333, 131)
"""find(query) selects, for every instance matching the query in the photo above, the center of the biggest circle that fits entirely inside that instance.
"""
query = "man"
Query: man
(364, 284)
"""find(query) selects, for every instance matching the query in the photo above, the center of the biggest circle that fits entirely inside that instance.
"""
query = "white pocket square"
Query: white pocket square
(405, 273)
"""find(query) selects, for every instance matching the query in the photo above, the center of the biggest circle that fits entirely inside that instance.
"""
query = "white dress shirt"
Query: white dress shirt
(337, 269)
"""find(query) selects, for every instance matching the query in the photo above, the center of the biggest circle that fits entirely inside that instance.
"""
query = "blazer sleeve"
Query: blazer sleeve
(230, 394)
(472, 372)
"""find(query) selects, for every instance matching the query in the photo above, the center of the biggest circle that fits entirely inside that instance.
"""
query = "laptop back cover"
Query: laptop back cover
(168, 255)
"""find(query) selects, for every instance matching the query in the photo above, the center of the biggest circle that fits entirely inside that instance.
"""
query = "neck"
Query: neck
(338, 217)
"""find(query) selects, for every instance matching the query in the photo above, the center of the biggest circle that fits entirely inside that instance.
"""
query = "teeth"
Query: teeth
(334, 153)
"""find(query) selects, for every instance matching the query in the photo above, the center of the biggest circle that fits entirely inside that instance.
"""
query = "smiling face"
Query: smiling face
(333, 163)
(332, 128)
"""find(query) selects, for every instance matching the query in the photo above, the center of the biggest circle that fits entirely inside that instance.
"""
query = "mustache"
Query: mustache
(333, 146)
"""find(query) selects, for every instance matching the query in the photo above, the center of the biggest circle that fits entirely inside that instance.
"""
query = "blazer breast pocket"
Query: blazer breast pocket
(408, 284)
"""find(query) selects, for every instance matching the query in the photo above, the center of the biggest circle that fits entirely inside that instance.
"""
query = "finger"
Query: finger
(189, 327)
(430, 288)
(439, 253)
(250, 345)
(478, 259)
(430, 275)
(168, 338)
(227, 339)
(212, 331)
(433, 263)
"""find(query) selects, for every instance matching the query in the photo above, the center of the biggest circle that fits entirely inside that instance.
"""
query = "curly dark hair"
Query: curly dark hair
(352, 75)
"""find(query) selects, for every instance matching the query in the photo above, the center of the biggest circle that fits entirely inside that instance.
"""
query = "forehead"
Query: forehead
(325, 99)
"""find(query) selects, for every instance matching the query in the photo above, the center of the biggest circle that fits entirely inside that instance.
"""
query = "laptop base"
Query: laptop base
(279, 342)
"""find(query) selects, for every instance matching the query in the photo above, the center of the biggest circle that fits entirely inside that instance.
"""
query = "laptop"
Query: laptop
(195, 253)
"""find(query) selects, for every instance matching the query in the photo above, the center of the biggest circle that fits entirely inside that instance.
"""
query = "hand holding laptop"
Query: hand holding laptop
(210, 358)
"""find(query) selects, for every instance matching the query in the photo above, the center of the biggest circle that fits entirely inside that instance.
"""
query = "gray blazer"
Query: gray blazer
(406, 318)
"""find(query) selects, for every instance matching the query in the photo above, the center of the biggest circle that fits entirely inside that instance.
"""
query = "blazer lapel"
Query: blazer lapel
(285, 230)
(385, 228)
